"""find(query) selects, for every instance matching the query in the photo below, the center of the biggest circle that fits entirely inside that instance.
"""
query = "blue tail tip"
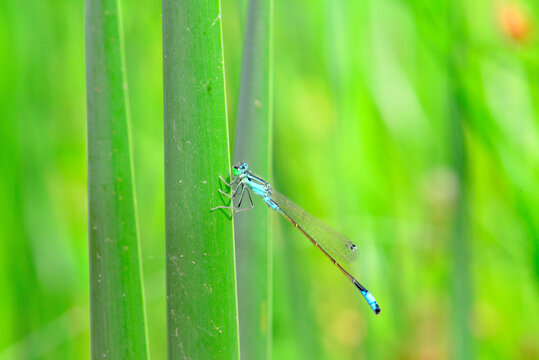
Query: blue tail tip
(371, 301)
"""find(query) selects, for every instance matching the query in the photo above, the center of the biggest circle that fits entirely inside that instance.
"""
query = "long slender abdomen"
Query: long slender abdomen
(272, 204)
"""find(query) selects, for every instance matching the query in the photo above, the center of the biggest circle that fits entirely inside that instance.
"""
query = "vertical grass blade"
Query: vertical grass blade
(201, 291)
(458, 112)
(116, 300)
(253, 145)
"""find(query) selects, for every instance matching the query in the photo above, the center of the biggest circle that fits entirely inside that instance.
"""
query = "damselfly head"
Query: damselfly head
(239, 168)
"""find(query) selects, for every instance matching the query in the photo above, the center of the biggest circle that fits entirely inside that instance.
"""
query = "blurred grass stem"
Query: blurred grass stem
(253, 144)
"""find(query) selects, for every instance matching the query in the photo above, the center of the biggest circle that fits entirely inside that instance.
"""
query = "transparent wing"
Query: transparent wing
(333, 242)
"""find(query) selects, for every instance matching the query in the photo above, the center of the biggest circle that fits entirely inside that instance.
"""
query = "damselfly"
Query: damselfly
(333, 244)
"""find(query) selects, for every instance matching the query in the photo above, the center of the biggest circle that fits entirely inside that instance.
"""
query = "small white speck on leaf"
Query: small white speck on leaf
(216, 19)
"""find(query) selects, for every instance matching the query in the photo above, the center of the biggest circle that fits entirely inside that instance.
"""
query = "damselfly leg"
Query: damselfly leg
(231, 183)
(238, 208)
(233, 195)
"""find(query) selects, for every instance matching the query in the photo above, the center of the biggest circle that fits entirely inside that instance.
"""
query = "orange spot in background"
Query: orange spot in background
(513, 21)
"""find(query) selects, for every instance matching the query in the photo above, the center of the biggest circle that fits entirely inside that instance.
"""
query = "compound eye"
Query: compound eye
(236, 171)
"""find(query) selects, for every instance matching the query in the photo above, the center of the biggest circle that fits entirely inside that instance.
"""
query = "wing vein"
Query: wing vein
(333, 242)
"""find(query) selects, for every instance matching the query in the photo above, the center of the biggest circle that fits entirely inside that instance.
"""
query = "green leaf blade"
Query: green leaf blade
(201, 291)
(118, 327)
(253, 144)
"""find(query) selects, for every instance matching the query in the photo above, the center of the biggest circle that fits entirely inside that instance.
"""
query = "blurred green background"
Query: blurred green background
(411, 126)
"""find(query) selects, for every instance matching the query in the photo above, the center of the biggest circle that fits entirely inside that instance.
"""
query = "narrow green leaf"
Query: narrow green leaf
(253, 145)
(116, 300)
(201, 291)
(460, 247)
